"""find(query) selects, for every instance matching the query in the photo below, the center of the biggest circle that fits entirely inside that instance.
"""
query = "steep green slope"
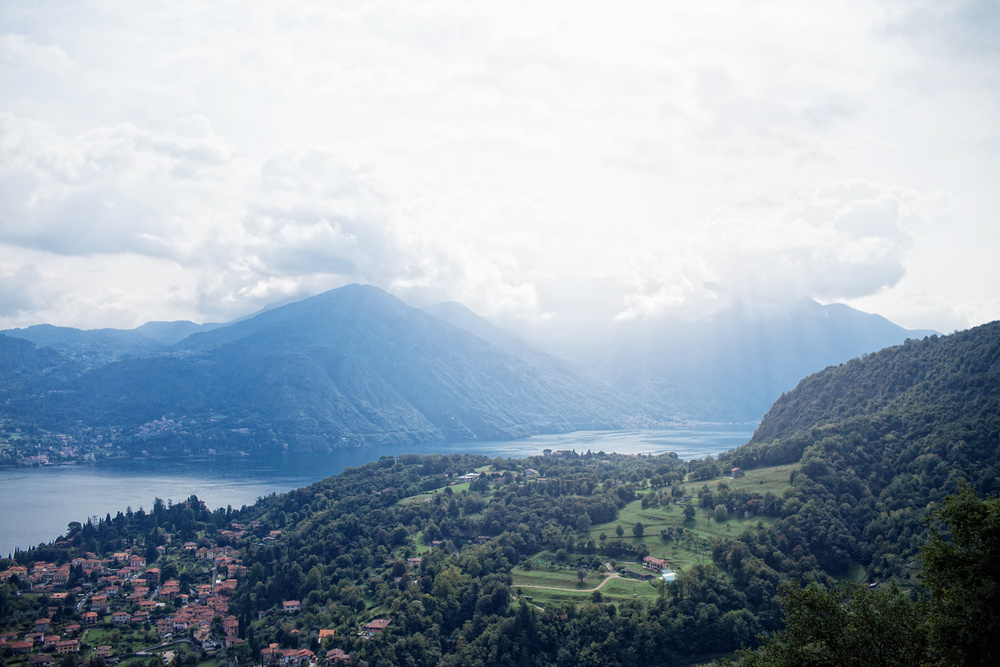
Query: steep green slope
(881, 440)
(937, 397)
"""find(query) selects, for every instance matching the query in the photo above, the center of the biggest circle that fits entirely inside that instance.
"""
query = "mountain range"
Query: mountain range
(356, 366)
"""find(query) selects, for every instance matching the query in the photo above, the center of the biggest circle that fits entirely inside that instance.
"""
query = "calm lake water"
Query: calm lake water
(36, 504)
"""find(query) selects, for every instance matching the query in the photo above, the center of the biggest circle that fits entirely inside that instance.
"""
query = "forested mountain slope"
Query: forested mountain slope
(937, 399)
(22, 364)
(93, 347)
(881, 440)
(352, 366)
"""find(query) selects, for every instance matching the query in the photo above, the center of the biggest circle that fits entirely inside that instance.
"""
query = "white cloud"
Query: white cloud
(840, 242)
(514, 157)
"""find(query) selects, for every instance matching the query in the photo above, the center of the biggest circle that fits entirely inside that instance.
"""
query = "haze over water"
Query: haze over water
(36, 504)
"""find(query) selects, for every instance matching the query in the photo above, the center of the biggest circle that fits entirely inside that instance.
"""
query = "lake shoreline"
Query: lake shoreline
(37, 503)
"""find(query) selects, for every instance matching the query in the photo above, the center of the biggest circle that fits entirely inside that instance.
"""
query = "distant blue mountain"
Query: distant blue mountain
(356, 366)
(352, 366)
(732, 367)
(98, 347)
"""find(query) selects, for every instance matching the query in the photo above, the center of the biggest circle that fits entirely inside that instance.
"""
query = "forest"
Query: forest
(864, 496)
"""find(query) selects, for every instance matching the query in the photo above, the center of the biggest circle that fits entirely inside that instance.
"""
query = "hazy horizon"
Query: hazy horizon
(562, 163)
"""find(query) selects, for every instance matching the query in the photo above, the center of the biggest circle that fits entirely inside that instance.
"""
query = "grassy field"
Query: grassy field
(614, 589)
(688, 551)
(624, 589)
(557, 578)
(761, 480)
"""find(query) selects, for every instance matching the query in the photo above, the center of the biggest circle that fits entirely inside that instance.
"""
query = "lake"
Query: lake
(36, 504)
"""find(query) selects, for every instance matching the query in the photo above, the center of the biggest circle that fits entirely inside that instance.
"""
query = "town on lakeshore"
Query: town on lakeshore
(165, 597)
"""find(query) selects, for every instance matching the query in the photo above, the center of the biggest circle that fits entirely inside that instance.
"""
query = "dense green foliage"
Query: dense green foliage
(847, 625)
(854, 625)
(962, 573)
(343, 545)
(880, 440)
(874, 451)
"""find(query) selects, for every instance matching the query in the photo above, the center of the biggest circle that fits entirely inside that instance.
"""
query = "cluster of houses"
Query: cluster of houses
(121, 590)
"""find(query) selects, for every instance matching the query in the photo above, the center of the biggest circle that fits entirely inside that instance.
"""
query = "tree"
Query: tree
(689, 512)
(583, 523)
(638, 529)
(720, 513)
(847, 625)
(168, 572)
(619, 530)
(963, 577)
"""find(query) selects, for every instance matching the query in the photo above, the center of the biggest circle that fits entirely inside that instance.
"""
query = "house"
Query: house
(22, 647)
(103, 651)
(68, 646)
(165, 626)
(483, 539)
(337, 655)
(531, 472)
(270, 655)
(636, 574)
(90, 618)
(41, 660)
(377, 626)
(99, 603)
(291, 606)
(654, 564)
(120, 617)
(738, 472)
(412, 563)
(43, 625)
(325, 633)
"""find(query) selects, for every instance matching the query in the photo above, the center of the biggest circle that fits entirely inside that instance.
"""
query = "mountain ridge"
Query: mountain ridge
(353, 366)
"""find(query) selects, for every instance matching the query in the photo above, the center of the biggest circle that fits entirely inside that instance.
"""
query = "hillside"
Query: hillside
(353, 366)
(22, 364)
(465, 560)
(940, 395)
(91, 348)
(881, 441)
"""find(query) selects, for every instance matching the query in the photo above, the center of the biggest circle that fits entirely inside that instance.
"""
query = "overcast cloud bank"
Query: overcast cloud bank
(554, 160)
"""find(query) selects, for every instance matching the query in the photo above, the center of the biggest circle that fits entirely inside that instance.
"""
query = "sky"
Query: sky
(531, 160)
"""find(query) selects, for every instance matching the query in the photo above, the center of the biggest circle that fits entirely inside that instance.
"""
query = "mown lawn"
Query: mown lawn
(558, 578)
(762, 480)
